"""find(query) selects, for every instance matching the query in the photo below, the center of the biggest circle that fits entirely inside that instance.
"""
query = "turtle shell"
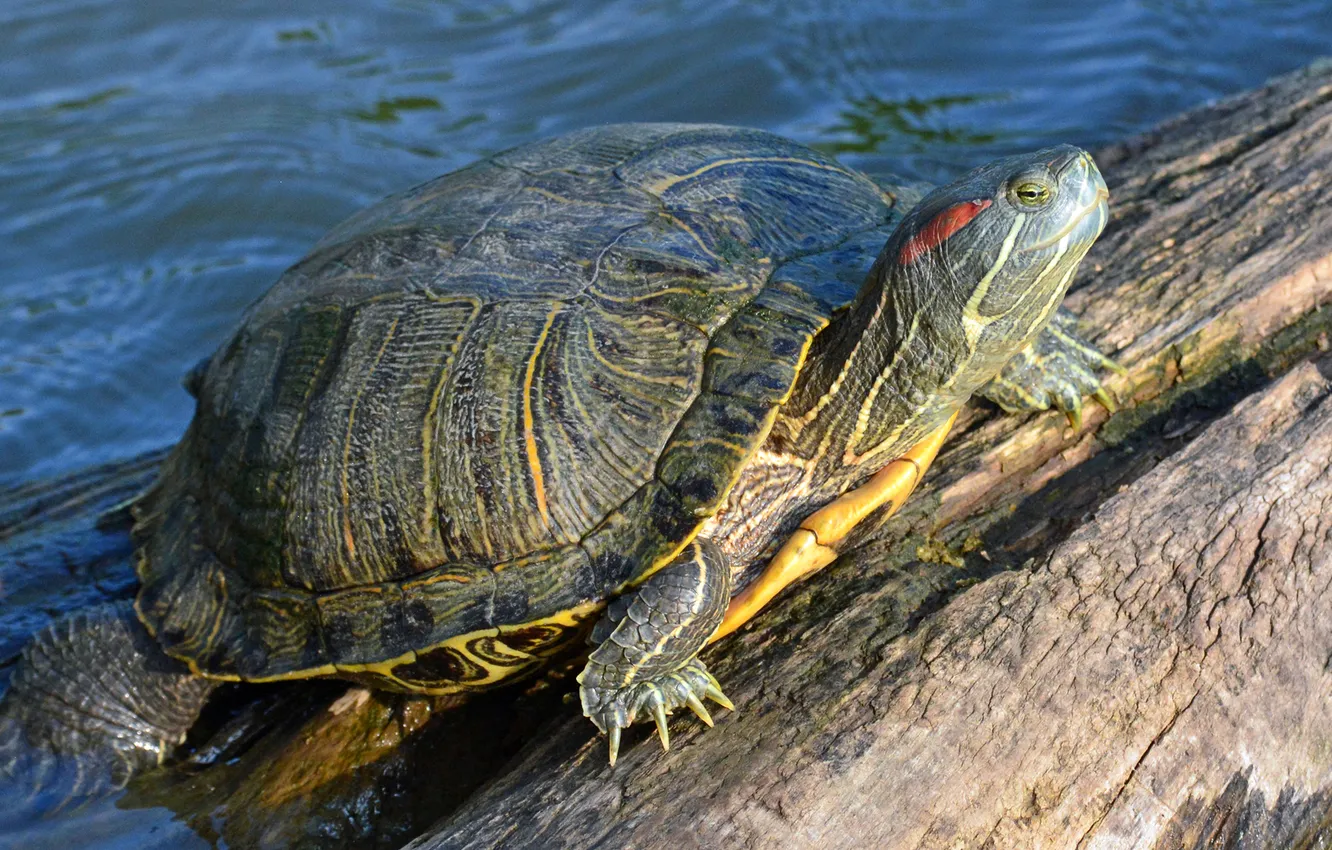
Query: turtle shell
(439, 443)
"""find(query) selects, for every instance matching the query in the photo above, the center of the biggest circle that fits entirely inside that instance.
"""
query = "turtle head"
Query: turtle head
(996, 250)
(969, 278)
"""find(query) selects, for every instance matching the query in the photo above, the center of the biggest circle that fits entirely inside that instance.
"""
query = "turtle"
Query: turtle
(607, 393)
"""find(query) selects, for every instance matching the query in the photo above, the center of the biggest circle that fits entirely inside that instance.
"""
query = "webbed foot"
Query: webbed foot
(1057, 370)
(646, 662)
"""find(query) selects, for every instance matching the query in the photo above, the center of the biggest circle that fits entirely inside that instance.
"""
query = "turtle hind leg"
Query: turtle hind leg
(646, 660)
(1056, 370)
(93, 701)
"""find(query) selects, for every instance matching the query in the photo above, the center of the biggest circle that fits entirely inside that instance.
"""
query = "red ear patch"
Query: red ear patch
(942, 226)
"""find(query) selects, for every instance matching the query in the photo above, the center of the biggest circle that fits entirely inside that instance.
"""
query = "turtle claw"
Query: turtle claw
(614, 709)
(714, 693)
(1113, 366)
(614, 734)
(659, 715)
(1107, 401)
(1074, 415)
(696, 705)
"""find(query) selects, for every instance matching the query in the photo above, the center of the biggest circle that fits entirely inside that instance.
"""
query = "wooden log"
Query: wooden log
(1122, 640)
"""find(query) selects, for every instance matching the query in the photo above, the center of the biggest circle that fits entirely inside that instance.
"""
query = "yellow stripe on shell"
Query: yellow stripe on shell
(572, 618)
(428, 472)
(529, 423)
(347, 538)
(665, 184)
(680, 381)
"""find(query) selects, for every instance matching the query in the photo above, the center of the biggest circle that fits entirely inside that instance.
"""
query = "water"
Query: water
(160, 166)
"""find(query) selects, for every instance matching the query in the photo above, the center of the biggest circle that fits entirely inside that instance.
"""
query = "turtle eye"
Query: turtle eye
(1031, 193)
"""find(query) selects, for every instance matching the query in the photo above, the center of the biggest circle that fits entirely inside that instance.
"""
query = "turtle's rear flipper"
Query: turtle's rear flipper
(92, 701)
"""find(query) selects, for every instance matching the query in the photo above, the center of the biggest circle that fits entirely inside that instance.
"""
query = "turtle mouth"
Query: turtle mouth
(1097, 205)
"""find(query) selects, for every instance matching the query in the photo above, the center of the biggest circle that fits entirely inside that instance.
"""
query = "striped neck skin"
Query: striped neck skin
(970, 277)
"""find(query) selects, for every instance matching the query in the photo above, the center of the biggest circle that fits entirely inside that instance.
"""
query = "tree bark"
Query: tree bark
(1120, 637)
(1111, 638)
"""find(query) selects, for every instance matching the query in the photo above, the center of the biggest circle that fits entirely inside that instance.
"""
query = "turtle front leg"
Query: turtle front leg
(93, 700)
(1056, 370)
(648, 642)
(811, 547)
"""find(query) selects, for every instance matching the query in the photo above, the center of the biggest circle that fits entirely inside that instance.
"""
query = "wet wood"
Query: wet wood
(1100, 639)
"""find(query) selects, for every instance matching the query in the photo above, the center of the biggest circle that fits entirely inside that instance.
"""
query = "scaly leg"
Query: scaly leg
(648, 645)
(810, 548)
(1056, 370)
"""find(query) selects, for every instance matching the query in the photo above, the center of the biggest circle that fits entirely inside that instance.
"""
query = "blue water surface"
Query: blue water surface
(162, 162)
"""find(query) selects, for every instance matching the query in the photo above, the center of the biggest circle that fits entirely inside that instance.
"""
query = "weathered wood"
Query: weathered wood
(933, 688)
(1157, 675)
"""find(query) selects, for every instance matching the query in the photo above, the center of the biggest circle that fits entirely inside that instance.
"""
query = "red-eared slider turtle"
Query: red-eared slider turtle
(610, 385)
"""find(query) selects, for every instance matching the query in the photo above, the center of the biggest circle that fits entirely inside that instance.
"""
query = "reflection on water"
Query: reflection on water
(389, 111)
(874, 125)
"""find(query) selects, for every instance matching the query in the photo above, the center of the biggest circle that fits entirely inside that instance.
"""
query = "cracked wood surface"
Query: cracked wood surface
(1156, 676)
(1121, 689)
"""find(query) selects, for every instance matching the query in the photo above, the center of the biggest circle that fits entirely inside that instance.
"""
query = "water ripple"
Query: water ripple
(161, 163)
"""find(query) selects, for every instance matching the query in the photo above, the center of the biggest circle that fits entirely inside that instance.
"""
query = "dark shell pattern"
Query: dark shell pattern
(478, 408)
